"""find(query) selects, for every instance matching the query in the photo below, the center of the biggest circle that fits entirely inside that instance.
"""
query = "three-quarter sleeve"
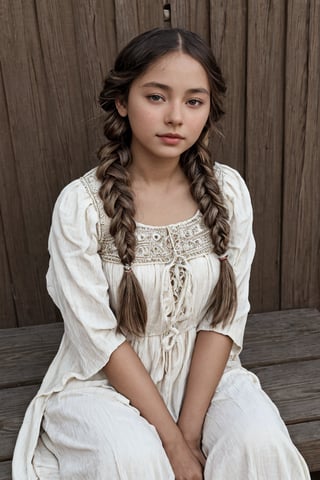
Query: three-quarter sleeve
(240, 251)
(77, 283)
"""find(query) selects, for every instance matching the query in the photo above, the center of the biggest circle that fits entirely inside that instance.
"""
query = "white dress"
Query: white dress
(78, 426)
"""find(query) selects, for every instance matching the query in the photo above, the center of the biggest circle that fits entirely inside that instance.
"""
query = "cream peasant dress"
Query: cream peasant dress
(78, 426)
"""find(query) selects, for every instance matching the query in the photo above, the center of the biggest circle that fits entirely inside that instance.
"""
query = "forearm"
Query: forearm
(128, 376)
(209, 359)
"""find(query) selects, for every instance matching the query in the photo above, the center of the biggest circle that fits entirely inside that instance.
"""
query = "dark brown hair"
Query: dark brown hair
(196, 162)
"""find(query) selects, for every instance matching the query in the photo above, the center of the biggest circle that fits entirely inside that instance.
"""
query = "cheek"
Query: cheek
(198, 123)
(140, 116)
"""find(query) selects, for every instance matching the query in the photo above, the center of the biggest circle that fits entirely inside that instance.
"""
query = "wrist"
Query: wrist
(191, 432)
(172, 438)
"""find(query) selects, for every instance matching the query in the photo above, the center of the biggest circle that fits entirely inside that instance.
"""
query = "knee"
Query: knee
(139, 445)
(258, 438)
(247, 437)
(129, 455)
(263, 441)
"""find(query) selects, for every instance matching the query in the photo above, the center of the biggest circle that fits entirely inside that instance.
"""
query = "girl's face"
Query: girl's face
(167, 107)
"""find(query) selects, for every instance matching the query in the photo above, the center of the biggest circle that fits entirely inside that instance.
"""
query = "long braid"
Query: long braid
(117, 196)
(205, 190)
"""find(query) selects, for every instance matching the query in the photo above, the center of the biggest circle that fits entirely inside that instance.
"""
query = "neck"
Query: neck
(160, 172)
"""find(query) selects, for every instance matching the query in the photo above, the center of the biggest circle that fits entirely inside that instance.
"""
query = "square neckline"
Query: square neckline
(169, 225)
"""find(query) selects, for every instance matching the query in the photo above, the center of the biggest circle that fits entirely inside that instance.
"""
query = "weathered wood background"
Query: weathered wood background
(54, 54)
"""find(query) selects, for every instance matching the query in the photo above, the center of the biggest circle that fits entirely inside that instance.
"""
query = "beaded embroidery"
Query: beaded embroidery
(188, 239)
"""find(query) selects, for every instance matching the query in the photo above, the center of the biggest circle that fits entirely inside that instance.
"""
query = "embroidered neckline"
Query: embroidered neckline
(169, 225)
(186, 239)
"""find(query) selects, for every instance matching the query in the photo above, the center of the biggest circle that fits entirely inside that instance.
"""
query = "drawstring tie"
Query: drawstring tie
(170, 338)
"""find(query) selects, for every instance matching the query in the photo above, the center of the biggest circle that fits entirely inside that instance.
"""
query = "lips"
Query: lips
(171, 135)
(170, 139)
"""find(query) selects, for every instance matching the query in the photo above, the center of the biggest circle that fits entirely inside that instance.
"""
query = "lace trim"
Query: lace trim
(161, 244)
(92, 186)
(188, 239)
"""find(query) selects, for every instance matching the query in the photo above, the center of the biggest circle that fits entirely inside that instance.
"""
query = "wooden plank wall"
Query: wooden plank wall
(54, 55)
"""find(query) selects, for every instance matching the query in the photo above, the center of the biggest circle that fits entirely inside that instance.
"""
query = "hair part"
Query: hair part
(115, 157)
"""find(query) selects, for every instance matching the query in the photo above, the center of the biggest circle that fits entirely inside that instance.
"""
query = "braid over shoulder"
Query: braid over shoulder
(205, 189)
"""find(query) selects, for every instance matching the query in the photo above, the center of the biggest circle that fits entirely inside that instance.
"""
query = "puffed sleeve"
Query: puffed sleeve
(240, 252)
(77, 283)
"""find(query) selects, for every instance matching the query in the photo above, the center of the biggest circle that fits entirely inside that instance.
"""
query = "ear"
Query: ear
(121, 107)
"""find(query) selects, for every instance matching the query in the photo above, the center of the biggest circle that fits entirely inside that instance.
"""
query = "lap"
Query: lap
(92, 430)
(240, 402)
(244, 435)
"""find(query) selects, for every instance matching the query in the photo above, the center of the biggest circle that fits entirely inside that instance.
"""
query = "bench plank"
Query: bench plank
(5, 470)
(307, 437)
(293, 388)
(282, 348)
(281, 337)
(13, 404)
(26, 353)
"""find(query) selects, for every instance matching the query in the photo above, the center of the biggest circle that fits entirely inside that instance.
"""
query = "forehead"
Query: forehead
(176, 69)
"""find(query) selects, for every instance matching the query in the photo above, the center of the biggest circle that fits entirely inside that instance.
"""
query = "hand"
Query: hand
(195, 446)
(185, 465)
(197, 452)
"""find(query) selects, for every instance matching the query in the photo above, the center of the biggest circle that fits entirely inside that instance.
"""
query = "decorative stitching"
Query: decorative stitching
(92, 186)
(187, 239)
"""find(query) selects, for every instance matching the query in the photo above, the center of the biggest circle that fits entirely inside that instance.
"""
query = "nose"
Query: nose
(174, 114)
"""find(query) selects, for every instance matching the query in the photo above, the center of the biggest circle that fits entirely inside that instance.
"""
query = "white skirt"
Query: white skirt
(90, 431)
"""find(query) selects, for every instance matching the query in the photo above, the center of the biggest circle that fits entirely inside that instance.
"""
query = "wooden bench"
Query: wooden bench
(283, 348)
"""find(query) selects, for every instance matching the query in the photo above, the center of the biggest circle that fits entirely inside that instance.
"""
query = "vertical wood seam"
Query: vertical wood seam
(12, 290)
(284, 124)
(13, 296)
(245, 113)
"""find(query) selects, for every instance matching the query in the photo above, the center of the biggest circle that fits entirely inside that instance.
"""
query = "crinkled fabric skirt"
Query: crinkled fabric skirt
(92, 432)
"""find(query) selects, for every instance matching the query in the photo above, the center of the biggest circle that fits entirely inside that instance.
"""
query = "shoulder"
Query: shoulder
(229, 179)
(234, 190)
(79, 200)
(78, 192)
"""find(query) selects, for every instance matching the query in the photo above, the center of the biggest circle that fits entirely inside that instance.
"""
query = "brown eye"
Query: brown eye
(194, 102)
(155, 98)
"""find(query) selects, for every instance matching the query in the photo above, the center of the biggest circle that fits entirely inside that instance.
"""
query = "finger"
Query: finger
(200, 457)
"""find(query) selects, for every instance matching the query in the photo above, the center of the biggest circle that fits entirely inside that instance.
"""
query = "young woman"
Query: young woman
(150, 263)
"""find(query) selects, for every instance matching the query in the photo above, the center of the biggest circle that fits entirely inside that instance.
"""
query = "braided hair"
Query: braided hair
(113, 172)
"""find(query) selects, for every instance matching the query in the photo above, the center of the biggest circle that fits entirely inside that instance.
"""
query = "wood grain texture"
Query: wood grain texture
(301, 220)
(228, 22)
(13, 404)
(307, 436)
(26, 353)
(7, 311)
(25, 224)
(96, 48)
(281, 337)
(52, 132)
(8, 205)
(134, 17)
(310, 234)
(293, 388)
(57, 51)
(193, 15)
(264, 150)
(5, 470)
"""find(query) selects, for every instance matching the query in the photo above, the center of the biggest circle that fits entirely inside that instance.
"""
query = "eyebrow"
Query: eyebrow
(167, 88)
